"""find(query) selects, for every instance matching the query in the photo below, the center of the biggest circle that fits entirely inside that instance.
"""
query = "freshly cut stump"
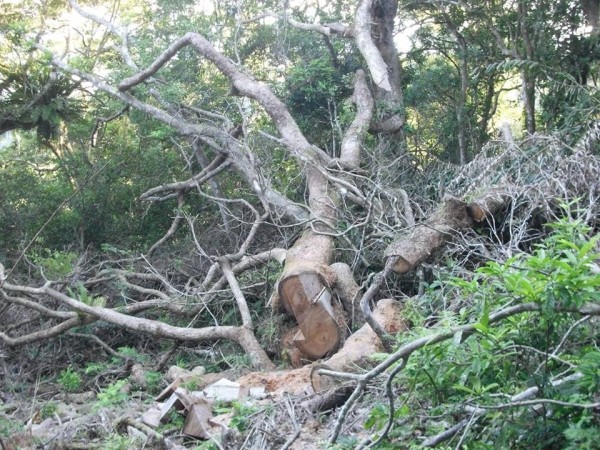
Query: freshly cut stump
(306, 297)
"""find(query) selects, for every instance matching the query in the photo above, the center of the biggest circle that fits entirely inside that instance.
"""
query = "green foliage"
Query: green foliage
(191, 384)
(153, 379)
(206, 445)
(48, 410)
(174, 421)
(70, 380)
(118, 442)
(582, 435)
(132, 353)
(55, 264)
(95, 368)
(503, 359)
(81, 293)
(432, 121)
(8, 426)
(113, 394)
(589, 367)
(344, 443)
(242, 413)
(560, 272)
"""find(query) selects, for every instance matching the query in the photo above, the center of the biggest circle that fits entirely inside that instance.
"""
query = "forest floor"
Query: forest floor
(47, 417)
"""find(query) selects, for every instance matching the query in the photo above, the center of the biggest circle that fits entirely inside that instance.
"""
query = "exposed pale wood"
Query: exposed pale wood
(364, 41)
(354, 136)
(361, 344)
(196, 422)
(488, 204)
(355, 351)
(305, 295)
(348, 291)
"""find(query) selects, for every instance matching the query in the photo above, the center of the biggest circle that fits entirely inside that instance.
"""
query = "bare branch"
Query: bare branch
(172, 229)
(237, 293)
(364, 41)
(354, 136)
(245, 85)
(41, 335)
(243, 336)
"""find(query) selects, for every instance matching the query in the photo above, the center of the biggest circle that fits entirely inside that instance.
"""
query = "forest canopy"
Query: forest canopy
(394, 204)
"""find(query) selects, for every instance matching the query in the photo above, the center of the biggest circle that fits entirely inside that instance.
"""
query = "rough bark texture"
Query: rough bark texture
(428, 236)
(391, 102)
(489, 204)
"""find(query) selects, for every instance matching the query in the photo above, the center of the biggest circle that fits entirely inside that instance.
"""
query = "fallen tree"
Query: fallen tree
(449, 220)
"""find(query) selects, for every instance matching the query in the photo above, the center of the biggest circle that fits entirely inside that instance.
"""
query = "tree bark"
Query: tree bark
(527, 77)
(591, 9)
(446, 222)
(391, 102)
(306, 282)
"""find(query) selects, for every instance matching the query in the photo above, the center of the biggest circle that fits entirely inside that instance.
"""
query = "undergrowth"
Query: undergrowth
(478, 383)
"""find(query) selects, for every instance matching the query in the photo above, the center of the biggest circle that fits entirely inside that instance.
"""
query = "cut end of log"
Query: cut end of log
(402, 266)
(318, 335)
(476, 212)
(307, 298)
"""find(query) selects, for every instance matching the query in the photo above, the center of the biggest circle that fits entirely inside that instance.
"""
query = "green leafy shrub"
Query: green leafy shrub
(534, 348)
(55, 264)
(48, 410)
(113, 394)
(118, 442)
(153, 379)
(70, 380)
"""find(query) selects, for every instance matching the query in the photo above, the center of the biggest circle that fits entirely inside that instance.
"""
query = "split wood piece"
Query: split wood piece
(226, 391)
(452, 217)
(361, 345)
(355, 352)
(177, 401)
(304, 291)
(197, 421)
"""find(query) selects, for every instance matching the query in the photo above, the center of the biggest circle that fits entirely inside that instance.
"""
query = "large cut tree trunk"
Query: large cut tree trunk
(306, 282)
(306, 295)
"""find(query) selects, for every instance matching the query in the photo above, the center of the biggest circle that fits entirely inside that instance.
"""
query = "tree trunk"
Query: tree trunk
(446, 222)
(391, 102)
(528, 89)
(306, 282)
(527, 77)
(461, 107)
